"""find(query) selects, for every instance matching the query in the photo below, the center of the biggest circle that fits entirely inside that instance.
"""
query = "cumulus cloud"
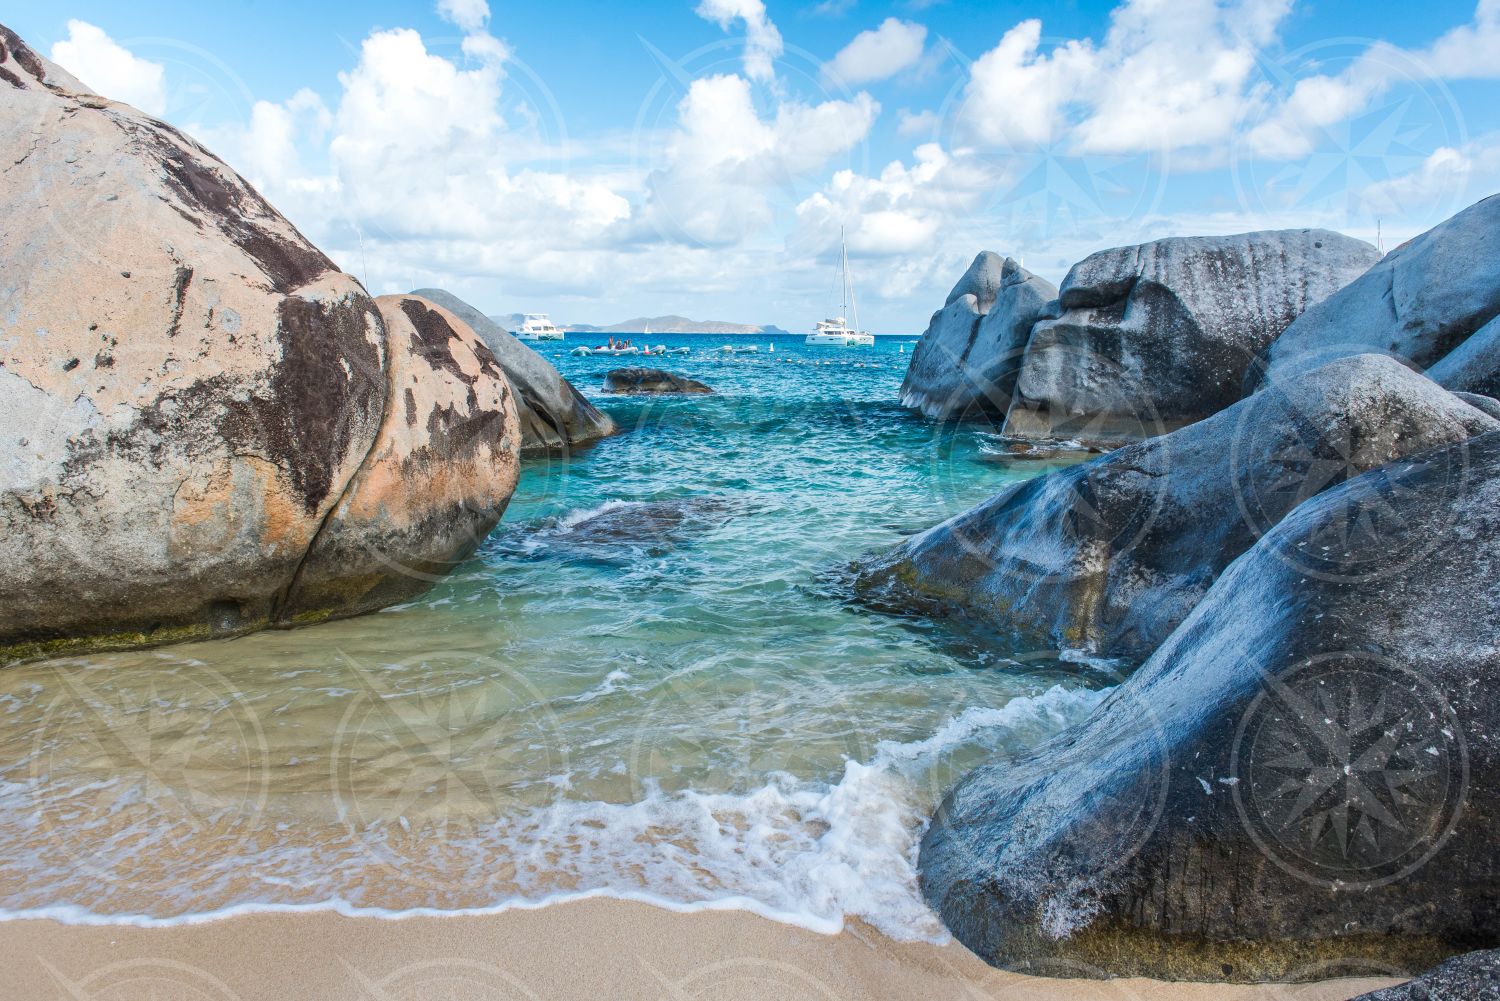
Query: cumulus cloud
(1168, 74)
(110, 69)
(879, 53)
(762, 41)
(1446, 180)
(1295, 125)
(420, 150)
(467, 15)
(724, 160)
(912, 124)
(267, 149)
(904, 209)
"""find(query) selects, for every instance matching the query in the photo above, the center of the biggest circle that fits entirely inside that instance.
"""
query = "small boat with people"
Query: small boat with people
(537, 327)
(836, 331)
(620, 348)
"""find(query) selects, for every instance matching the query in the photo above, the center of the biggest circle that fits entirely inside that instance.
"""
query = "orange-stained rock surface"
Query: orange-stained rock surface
(189, 385)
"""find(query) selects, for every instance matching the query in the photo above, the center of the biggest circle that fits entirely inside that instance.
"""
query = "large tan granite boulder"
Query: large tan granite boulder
(189, 385)
(441, 472)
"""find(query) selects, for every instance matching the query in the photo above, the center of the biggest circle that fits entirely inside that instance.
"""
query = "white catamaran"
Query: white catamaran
(837, 331)
(537, 327)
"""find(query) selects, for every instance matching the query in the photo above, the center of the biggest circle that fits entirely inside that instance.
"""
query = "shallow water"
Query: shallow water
(641, 685)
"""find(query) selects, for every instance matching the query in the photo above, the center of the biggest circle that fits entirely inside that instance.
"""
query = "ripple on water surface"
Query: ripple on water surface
(637, 686)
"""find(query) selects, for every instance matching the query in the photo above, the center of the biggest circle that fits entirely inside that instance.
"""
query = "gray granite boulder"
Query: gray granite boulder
(642, 381)
(1487, 404)
(1307, 770)
(1419, 303)
(1152, 337)
(190, 386)
(1111, 555)
(553, 414)
(1474, 976)
(1473, 366)
(967, 361)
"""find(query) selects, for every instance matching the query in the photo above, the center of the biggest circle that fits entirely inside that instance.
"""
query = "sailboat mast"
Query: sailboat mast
(851, 308)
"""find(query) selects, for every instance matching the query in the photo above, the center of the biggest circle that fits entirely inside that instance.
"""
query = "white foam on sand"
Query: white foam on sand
(810, 854)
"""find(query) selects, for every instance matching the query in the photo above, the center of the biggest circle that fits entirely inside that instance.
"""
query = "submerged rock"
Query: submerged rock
(1419, 303)
(190, 385)
(967, 362)
(650, 380)
(1152, 337)
(1111, 555)
(553, 414)
(437, 479)
(620, 531)
(1471, 977)
(1306, 770)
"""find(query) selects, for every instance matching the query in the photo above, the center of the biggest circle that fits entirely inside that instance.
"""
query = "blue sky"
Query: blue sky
(601, 160)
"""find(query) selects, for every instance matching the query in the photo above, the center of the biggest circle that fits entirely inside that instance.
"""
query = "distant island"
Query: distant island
(656, 324)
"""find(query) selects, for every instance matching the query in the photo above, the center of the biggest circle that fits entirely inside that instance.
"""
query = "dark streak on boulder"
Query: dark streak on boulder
(554, 415)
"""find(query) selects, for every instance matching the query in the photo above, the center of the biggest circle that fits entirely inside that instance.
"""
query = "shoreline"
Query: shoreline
(585, 949)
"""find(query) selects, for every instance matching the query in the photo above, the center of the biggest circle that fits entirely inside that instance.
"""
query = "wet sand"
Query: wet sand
(591, 950)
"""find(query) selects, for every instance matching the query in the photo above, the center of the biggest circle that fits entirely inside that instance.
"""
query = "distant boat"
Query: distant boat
(537, 327)
(584, 352)
(836, 331)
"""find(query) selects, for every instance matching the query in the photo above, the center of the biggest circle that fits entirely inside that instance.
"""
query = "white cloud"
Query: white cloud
(1443, 172)
(879, 53)
(725, 160)
(1469, 50)
(762, 41)
(268, 149)
(110, 69)
(917, 124)
(1294, 127)
(1448, 179)
(832, 8)
(904, 210)
(468, 15)
(1169, 74)
(420, 151)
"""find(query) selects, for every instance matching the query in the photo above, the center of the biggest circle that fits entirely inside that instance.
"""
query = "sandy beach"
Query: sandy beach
(590, 950)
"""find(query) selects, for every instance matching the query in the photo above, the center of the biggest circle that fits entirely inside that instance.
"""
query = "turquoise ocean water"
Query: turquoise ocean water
(646, 683)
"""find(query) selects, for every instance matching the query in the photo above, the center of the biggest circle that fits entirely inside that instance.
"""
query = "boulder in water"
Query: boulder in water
(1111, 555)
(1307, 769)
(437, 479)
(553, 414)
(641, 381)
(1152, 337)
(967, 361)
(623, 531)
(190, 384)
